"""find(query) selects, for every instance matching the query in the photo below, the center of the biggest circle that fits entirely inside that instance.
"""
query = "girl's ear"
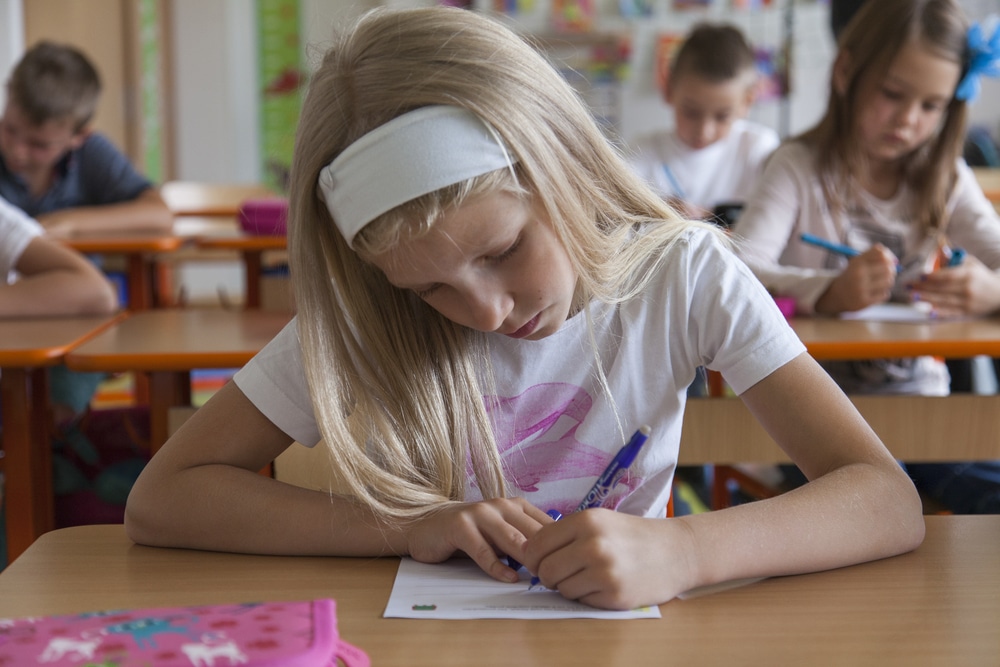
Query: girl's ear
(841, 73)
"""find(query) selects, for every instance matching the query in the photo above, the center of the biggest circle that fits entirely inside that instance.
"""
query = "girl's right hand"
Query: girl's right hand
(867, 280)
(484, 531)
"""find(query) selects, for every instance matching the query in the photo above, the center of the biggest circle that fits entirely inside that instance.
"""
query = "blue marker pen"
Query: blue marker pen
(610, 477)
(844, 250)
(674, 183)
(956, 258)
(615, 470)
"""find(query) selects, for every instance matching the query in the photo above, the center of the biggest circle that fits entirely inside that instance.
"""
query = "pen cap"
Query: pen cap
(631, 450)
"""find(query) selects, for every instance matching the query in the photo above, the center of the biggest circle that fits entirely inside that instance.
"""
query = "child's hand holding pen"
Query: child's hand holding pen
(480, 530)
(962, 286)
(868, 278)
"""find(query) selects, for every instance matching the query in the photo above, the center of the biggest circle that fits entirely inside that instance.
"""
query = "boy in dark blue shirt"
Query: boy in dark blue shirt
(53, 167)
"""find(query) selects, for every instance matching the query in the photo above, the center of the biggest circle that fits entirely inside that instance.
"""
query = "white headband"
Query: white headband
(419, 152)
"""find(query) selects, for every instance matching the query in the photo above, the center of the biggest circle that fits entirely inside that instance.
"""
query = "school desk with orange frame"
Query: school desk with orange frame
(168, 344)
(140, 251)
(937, 605)
(27, 348)
(960, 427)
(252, 248)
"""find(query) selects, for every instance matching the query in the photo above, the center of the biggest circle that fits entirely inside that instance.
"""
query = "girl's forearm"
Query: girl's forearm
(223, 508)
(854, 514)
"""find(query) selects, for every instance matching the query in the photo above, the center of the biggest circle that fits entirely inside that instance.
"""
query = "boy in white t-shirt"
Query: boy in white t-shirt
(712, 157)
(40, 276)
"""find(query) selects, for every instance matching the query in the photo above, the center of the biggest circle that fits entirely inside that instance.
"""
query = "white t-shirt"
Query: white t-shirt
(721, 173)
(554, 425)
(16, 232)
(789, 201)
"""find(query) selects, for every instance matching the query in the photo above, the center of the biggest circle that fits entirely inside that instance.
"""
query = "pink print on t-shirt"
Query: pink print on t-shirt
(536, 435)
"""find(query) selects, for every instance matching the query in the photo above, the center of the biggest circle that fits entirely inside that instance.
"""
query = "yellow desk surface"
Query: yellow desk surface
(938, 605)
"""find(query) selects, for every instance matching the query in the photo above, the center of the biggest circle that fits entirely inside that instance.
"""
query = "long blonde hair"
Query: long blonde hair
(396, 387)
(868, 45)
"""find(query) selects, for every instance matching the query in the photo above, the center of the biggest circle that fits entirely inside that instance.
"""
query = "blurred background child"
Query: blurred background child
(41, 276)
(53, 167)
(713, 155)
(882, 174)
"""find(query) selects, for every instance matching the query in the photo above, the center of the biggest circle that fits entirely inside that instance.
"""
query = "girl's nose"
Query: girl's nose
(909, 114)
(706, 133)
(488, 309)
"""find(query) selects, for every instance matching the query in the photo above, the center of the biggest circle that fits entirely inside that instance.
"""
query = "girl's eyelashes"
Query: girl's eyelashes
(424, 293)
(506, 253)
(495, 259)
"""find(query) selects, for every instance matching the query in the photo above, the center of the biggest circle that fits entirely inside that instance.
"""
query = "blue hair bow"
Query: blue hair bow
(983, 60)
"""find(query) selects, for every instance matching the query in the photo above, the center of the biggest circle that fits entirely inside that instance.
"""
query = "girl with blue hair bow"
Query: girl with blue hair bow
(882, 174)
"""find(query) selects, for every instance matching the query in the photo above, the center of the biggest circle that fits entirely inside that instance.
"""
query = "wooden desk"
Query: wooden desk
(936, 606)
(252, 249)
(27, 348)
(168, 344)
(833, 338)
(140, 252)
(198, 198)
(960, 427)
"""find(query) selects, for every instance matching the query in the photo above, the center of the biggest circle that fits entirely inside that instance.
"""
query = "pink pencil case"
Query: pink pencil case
(264, 217)
(268, 634)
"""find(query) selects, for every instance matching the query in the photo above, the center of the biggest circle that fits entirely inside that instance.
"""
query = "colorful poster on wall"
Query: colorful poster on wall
(573, 15)
(666, 47)
(151, 110)
(282, 80)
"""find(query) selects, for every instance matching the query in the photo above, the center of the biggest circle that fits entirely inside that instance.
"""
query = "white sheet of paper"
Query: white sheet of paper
(893, 312)
(458, 589)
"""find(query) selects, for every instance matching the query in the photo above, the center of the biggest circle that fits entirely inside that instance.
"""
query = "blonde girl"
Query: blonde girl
(489, 303)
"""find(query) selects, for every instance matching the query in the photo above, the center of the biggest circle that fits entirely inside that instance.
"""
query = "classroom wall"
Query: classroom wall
(217, 142)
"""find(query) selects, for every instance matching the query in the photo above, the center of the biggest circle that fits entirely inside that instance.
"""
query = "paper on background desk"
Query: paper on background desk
(458, 589)
(894, 312)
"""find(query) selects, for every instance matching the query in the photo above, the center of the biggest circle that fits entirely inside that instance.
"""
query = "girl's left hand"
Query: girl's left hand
(612, 560)
(968, 289)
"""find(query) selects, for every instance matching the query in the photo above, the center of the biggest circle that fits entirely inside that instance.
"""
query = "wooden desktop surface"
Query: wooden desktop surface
(179, 340)
(168, 344)
(27, 348)
(198, 198)
(935, 606)
(832, 338)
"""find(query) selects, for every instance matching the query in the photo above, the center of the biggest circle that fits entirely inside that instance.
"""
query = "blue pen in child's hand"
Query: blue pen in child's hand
(844, 250)
(956, 258)
(610, 477)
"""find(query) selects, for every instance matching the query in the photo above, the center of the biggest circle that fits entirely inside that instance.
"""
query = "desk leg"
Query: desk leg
(166, 390)
(253, 261)
(24, 397)
(140, 288)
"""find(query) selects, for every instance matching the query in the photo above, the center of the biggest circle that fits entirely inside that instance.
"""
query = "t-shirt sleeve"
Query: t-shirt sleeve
(275, 382)
(108, 176)
(16, 231)
(974, 224)
(781, 205)
(738, 328)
